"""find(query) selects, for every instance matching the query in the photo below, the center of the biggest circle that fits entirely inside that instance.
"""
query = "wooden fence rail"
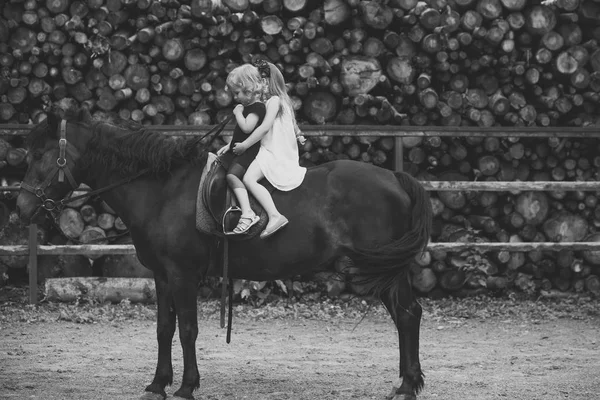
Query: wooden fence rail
(128, 249)
(434, 186)
(373, 130)
(33, 249)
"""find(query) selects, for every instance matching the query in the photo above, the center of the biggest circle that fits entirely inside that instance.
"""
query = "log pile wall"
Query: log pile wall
(441, 62)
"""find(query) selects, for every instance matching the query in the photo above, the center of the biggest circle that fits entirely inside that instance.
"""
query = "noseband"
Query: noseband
(62, 169)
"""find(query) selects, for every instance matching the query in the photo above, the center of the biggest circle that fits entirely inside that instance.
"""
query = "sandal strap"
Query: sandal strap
(244, 223)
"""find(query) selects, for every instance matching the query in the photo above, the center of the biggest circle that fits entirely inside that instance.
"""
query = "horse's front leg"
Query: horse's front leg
(406, 313)
(184, 294)
(165, 329)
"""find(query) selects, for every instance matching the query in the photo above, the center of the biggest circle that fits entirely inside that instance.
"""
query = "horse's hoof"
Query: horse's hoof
(152, 396)
(400, 396)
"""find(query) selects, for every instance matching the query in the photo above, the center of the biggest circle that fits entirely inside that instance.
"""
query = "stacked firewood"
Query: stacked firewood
(89, 222)
(435, 62)
(517, 216)
(11, 158)
(374, 150)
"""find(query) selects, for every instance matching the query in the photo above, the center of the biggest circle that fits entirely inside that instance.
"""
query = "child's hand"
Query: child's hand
(301, 139)
(223, 150)
(239, 148)
(238, 109)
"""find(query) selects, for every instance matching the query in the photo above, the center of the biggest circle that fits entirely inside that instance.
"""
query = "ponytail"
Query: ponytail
(277, 87)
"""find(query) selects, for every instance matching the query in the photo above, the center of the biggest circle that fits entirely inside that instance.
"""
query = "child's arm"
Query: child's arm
(246, 124)
(223, 149)
(299, 136)
(262, 129)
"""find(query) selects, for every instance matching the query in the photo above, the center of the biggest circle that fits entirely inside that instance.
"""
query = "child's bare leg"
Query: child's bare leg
(241, 194)
(276, 220)
(248, 217)
(251, 178)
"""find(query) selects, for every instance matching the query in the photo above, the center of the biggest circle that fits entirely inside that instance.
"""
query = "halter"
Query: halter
(62, 169)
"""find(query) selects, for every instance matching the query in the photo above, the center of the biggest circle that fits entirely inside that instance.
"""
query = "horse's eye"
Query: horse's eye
(37, 155)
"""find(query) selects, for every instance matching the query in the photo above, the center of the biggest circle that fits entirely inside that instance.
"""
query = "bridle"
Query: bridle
(54, 207)
(62, 170)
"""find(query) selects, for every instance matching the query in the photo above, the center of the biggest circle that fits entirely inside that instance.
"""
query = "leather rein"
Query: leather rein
(54, 208)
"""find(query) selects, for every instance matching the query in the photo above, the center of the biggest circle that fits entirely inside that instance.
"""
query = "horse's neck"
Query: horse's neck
(125, 198)
(99, 177)
(146, 195)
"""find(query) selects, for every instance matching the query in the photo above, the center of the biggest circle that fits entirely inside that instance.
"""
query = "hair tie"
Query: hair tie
(263, 68)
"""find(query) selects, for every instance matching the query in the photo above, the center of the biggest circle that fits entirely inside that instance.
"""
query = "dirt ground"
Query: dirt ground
(492, 357)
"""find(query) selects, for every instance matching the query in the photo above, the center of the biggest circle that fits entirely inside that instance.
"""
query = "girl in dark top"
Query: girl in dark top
(245, 84)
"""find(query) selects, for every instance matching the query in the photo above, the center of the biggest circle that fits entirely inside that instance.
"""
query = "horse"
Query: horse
(378, 218)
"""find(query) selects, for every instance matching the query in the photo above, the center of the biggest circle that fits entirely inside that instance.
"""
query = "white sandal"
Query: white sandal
(245, 223)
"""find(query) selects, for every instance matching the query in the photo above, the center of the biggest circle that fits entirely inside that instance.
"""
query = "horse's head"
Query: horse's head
(54, 147)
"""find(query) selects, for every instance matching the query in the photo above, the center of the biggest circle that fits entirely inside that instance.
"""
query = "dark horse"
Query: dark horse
(378, 218)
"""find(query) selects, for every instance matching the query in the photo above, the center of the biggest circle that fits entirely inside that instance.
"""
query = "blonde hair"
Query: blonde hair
(245, 77)
(276, 87)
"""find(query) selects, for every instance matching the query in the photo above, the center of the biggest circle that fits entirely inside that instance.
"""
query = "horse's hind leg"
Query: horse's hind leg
(165, 329)
(406, 313)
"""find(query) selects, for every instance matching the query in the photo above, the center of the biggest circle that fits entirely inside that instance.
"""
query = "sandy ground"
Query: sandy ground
(479, 359)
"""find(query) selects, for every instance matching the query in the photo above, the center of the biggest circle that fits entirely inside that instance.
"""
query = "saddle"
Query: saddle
(217, 211)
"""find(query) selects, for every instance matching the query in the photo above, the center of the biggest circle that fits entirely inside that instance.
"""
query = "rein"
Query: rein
(54, 208)
(61, 205)
(217, 129)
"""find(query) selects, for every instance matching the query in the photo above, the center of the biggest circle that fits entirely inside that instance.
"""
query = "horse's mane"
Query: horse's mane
(127, 147)
(128, 150)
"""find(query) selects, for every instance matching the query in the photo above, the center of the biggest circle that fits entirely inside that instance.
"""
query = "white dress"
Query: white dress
(278, 156)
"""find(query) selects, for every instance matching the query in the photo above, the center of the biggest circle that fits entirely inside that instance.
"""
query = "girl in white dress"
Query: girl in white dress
(277, 159)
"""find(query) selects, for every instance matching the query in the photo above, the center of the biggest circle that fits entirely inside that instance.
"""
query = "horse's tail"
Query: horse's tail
(384, 263)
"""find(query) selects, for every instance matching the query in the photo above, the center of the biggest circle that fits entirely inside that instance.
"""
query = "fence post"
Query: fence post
(33, 267)
(398, 154)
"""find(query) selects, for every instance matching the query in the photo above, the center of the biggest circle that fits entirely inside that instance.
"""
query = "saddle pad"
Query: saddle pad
(205, 222)
(213, 215)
